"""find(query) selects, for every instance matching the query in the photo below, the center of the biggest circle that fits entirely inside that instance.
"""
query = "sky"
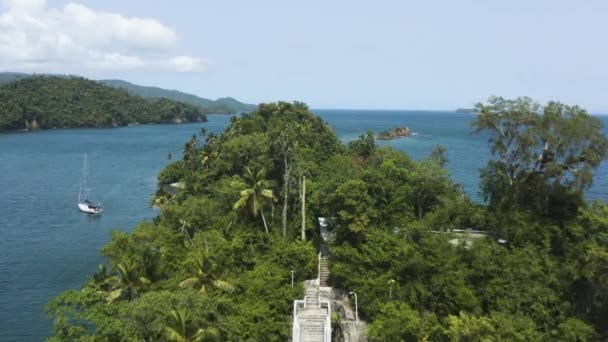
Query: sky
(329, 54)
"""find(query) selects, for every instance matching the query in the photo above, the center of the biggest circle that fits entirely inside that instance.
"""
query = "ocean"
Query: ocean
(48, 246)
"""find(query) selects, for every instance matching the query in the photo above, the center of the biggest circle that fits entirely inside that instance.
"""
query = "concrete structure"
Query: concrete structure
(312, 315)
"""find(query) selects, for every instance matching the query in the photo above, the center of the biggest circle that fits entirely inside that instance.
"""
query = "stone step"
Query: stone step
(317, 326)
(310, 321)
(312, 329)
(312, 312)
(312, 317)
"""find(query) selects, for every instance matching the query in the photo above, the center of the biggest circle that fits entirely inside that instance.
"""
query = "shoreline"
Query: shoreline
(25, 130)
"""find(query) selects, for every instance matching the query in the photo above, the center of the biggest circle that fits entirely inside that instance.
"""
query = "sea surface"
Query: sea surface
(48, 246)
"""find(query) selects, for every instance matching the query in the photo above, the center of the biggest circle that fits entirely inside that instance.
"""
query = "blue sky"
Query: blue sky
(329, 54)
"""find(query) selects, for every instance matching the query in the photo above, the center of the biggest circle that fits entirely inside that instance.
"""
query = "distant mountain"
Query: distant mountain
(226, 105)
(6, 77)
(40, 102)
(466, 110)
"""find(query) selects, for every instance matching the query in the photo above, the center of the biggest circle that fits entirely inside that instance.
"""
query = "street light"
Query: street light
(356, 307)
(291, 278)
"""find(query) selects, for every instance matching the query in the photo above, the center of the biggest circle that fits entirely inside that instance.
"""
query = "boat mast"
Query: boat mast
(84, 176)
(83, 180)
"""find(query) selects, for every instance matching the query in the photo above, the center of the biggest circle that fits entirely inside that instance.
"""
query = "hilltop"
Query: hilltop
(224, 105)
(40, 102)
(229, 253)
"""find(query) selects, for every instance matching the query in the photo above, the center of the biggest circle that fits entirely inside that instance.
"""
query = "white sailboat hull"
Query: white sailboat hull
(91, 210)
(86, 205)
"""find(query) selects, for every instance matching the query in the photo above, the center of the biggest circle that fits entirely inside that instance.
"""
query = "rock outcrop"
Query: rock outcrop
(393, 133)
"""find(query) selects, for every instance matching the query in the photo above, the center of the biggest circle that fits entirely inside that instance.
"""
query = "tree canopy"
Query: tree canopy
(544, 153)
(40, 102)
(204, 269)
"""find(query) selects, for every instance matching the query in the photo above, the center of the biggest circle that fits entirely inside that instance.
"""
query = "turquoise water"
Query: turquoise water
(47, 245)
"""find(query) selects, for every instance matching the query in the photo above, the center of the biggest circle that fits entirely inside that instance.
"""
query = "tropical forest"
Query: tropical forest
(44, 102)
(216, 263)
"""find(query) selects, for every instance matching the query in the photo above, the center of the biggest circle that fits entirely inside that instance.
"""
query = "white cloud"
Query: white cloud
(34, 36)
(187, 64)
(116, 61)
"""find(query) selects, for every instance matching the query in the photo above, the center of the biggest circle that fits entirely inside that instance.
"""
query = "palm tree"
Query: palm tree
(128, 285)
(205, 278)
(255, 193)
(160, 199)
(181, 328)
(101, 276)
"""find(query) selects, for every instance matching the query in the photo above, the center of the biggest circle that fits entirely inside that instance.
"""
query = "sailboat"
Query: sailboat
(83, 194)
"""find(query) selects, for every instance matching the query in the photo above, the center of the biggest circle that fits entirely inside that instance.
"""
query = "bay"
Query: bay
(48, 246)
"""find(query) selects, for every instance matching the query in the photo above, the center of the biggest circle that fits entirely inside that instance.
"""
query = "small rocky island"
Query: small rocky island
(393, 133)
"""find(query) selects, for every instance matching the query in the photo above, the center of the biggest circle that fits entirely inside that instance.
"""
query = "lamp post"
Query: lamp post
(291, 278)
(390, 291)
(356, 307)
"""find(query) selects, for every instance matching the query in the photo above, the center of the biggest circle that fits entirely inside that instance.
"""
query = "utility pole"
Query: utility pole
(291, 278)
(303, 197)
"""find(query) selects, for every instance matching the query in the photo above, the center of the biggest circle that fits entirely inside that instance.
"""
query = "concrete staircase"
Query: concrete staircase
(324, 265)
(324, 271)
(312, 325)
(312, 316)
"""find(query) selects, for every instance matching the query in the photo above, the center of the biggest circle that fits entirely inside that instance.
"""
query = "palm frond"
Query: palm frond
(189, 282)
(173, 335)
(223, 285)
(247, 192)
(242, 202)
(239, 184)
(268, 193)
(144, 281)
(114, 296)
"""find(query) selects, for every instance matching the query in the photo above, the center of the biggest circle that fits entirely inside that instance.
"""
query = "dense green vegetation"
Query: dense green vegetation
(6, 77)
(466, 110)
(216, 262)
(41, 102)
(226, 105)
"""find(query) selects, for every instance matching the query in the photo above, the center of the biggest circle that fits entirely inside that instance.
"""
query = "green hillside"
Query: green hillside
(40, 102)
(6, 77)
(225, 105)
(229, 252)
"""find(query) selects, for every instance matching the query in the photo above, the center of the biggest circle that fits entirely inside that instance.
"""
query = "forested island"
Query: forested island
(466, 110)
(225, 105)
(393, 133)
(43, 102)
(216, 263)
